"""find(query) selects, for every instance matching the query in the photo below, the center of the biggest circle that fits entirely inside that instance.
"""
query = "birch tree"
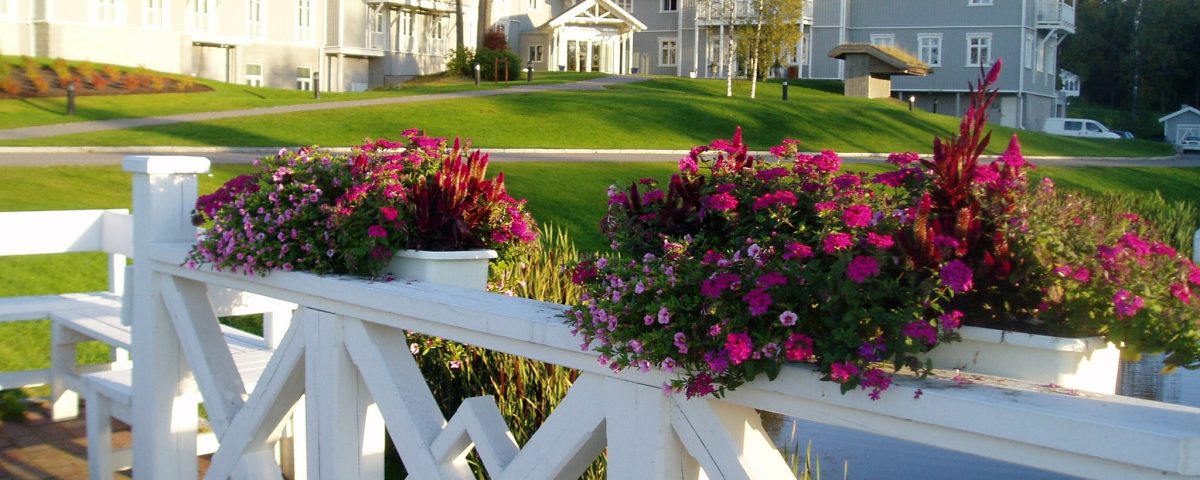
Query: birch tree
(769, 34)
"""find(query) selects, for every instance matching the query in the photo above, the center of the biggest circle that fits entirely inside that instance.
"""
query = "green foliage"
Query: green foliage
(1175, 221)
(526, 391)
(12, 405)
(492, 64)
(461, 62)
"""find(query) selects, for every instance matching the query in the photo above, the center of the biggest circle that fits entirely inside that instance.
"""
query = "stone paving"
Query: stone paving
(39, 448)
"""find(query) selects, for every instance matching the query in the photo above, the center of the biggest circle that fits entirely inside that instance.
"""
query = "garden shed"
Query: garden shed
(1181, 123)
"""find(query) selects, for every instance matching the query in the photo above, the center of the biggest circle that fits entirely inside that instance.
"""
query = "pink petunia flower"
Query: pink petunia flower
(958, 276)
(1127, 304)
(950, 321)
(739, 346)
(787, 318)
(798, 347)
(862, 268)
(919, 330)
(377, 231)
(842, 372)
(835, 242)
(857, 215)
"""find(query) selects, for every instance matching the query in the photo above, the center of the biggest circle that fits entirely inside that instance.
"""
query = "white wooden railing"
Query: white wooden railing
(344, 369)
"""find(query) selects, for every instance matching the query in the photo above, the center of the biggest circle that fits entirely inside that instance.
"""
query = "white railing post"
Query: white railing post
(1196, 247)
(641, 442)
(164, 446)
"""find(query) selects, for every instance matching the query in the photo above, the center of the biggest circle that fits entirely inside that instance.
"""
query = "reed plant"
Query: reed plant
(1175, 220)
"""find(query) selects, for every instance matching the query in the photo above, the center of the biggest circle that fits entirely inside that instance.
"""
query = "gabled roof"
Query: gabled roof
(598, 12)
(1185, 109)
(892, 61)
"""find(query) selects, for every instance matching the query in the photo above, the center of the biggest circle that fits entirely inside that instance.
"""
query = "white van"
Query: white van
(1078, 127)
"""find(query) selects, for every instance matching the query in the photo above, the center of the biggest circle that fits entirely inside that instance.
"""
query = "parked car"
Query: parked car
(1189, 144)
(1124, 133)
(1077, 127)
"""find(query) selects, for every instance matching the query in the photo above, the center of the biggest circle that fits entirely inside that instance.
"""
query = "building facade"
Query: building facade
(357, 44)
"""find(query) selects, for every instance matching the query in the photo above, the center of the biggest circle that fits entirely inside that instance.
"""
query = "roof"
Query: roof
(1185, 109)
(896, 59)
(601, 12)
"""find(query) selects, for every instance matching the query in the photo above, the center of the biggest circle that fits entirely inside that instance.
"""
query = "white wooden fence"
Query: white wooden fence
(344, 369)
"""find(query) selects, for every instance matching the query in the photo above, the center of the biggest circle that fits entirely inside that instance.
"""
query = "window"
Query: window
(304, 23)
(979, 3)
(406, 23)
(883, 40)
(303, 78)
(1040, 59)
(153, 15)
(254, 75)
(254, 19)
(1071, 84)
(104, 11)
(533, 4)
(929, 48)
(979, 49)
(436, 27)
(6, 9)
(204, 15)
(535, 53)
(1093, 127)
(1029, 50)
(626, 5)
(668, 51)
(1072, 126)
(669, 5)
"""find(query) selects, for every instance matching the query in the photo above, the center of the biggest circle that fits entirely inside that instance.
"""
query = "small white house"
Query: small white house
(1070, 83)
(1182, 123)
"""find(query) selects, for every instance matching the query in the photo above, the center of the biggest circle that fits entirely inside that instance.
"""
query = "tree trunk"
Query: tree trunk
(729, 5)
(459, 36)
(755, 50)
(485, 17)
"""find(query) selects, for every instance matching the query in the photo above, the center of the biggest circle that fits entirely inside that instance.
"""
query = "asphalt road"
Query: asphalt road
(114, 158)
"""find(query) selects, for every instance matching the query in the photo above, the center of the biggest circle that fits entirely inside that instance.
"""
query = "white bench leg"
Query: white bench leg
(64, 402)
(120, 358)
(99, 437)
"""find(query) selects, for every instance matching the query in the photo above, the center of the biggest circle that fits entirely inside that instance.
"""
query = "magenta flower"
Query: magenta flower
(958, 276)
(739, 347)
(798, 347)
(835, 242)
(758, 300)
(842, 372)
(377, 231)
(720, 202)
(771, 174)
(787, 318)
(700, 385)
(390, 213)
(689, 165)
(903, 159)
(1127, 304)
(1194, 275)
(797, 250)
(880, 241)
(781, 197)
(824, 206)
(664, 316)
(919, 330)
(681, 342)
(862, 268)
(950, 321)
(1182, 292)
(857, 215)
(771, 279)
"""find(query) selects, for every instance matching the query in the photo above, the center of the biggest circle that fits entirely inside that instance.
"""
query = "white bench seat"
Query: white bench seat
(38, 307)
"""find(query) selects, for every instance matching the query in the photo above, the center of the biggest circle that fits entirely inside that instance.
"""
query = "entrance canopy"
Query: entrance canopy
(595, 35)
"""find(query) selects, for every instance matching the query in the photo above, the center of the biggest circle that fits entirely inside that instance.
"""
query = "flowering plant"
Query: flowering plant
(725, 275)
(314, 211)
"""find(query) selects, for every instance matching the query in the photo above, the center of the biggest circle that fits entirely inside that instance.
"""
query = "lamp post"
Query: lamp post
(476, 74)
(912, 99)
(529, 69)
(785, 87)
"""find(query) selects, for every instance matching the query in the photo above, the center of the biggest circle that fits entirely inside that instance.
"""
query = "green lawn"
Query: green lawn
(51, 110)
(662, 113)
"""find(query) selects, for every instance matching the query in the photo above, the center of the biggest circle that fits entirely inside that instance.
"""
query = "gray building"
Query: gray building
(1182, 123)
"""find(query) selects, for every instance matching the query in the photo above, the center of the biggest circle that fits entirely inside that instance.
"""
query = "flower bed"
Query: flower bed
(724, 275)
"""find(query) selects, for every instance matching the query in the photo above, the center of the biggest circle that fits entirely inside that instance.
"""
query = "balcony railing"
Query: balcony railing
(717, 12)
(343, 370)
(1056, 14)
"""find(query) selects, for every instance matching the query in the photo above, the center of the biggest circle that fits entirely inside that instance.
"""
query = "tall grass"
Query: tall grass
(1175, 220)
(526, 391)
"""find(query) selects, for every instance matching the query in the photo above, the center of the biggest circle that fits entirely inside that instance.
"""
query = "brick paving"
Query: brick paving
(39, 448)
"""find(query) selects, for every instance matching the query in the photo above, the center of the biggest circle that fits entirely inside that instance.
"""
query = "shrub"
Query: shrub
(1176, 221)
(99, 82)
(10, 86)
(40, 84)
(156, 81)
(12, 405)
(184, 84)
(134, 81)
(489, 60)
(31, 66)
(86, 71)
(5, 70)
(113, 73)
(461, 62)
(495, 39)
(65, 79)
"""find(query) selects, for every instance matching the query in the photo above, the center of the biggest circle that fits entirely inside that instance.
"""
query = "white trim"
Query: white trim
(934, 60)
(988, 45)
(161, 21)
(256, 29)
(252, 79)
(1028, 49)
(302, 21)
(883, 39)
(541, 53)
(303, 83)
(8, 10)
(107, 12)
(662, 41)
(1181, 111)
(662, 5)
(1179, 129)
(979, 3)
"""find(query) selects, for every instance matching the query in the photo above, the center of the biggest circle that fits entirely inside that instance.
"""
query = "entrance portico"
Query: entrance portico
(593, 36)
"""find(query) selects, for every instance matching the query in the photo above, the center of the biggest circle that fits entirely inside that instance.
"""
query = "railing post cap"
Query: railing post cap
(165, 165)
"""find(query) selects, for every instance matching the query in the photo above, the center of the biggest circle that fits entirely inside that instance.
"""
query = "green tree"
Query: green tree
(769, 35)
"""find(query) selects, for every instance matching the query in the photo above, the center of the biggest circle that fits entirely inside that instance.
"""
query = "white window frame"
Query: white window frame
(254, 80)
(536, 53)
(663, 4)
(154, 13)
(256, 18)
(883, 40)
(202, 15)
(303, 83)
(984, 47)
(304, 21)
(405, 20)
(1029, 43)
(979, 3)
(435, 27)
(626, 5)
(664, 51)
(107, 12)
(931, 54)
(6, 10)
(1040, 59)
(533, 5)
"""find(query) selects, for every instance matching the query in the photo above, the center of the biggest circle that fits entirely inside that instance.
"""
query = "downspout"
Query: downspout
(695, 38)
(321, 47)
(1021, 67)
(679, 38)
(842, 34)
(341, 44)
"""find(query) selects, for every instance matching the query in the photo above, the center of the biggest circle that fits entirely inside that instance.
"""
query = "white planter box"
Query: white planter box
(466, 268)
(1089, 364)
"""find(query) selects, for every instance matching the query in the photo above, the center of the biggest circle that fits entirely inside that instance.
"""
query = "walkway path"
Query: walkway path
(121, 123)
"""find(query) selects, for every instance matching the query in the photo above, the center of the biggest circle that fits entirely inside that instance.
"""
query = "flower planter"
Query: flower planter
(467, 268)
(1089, 364)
